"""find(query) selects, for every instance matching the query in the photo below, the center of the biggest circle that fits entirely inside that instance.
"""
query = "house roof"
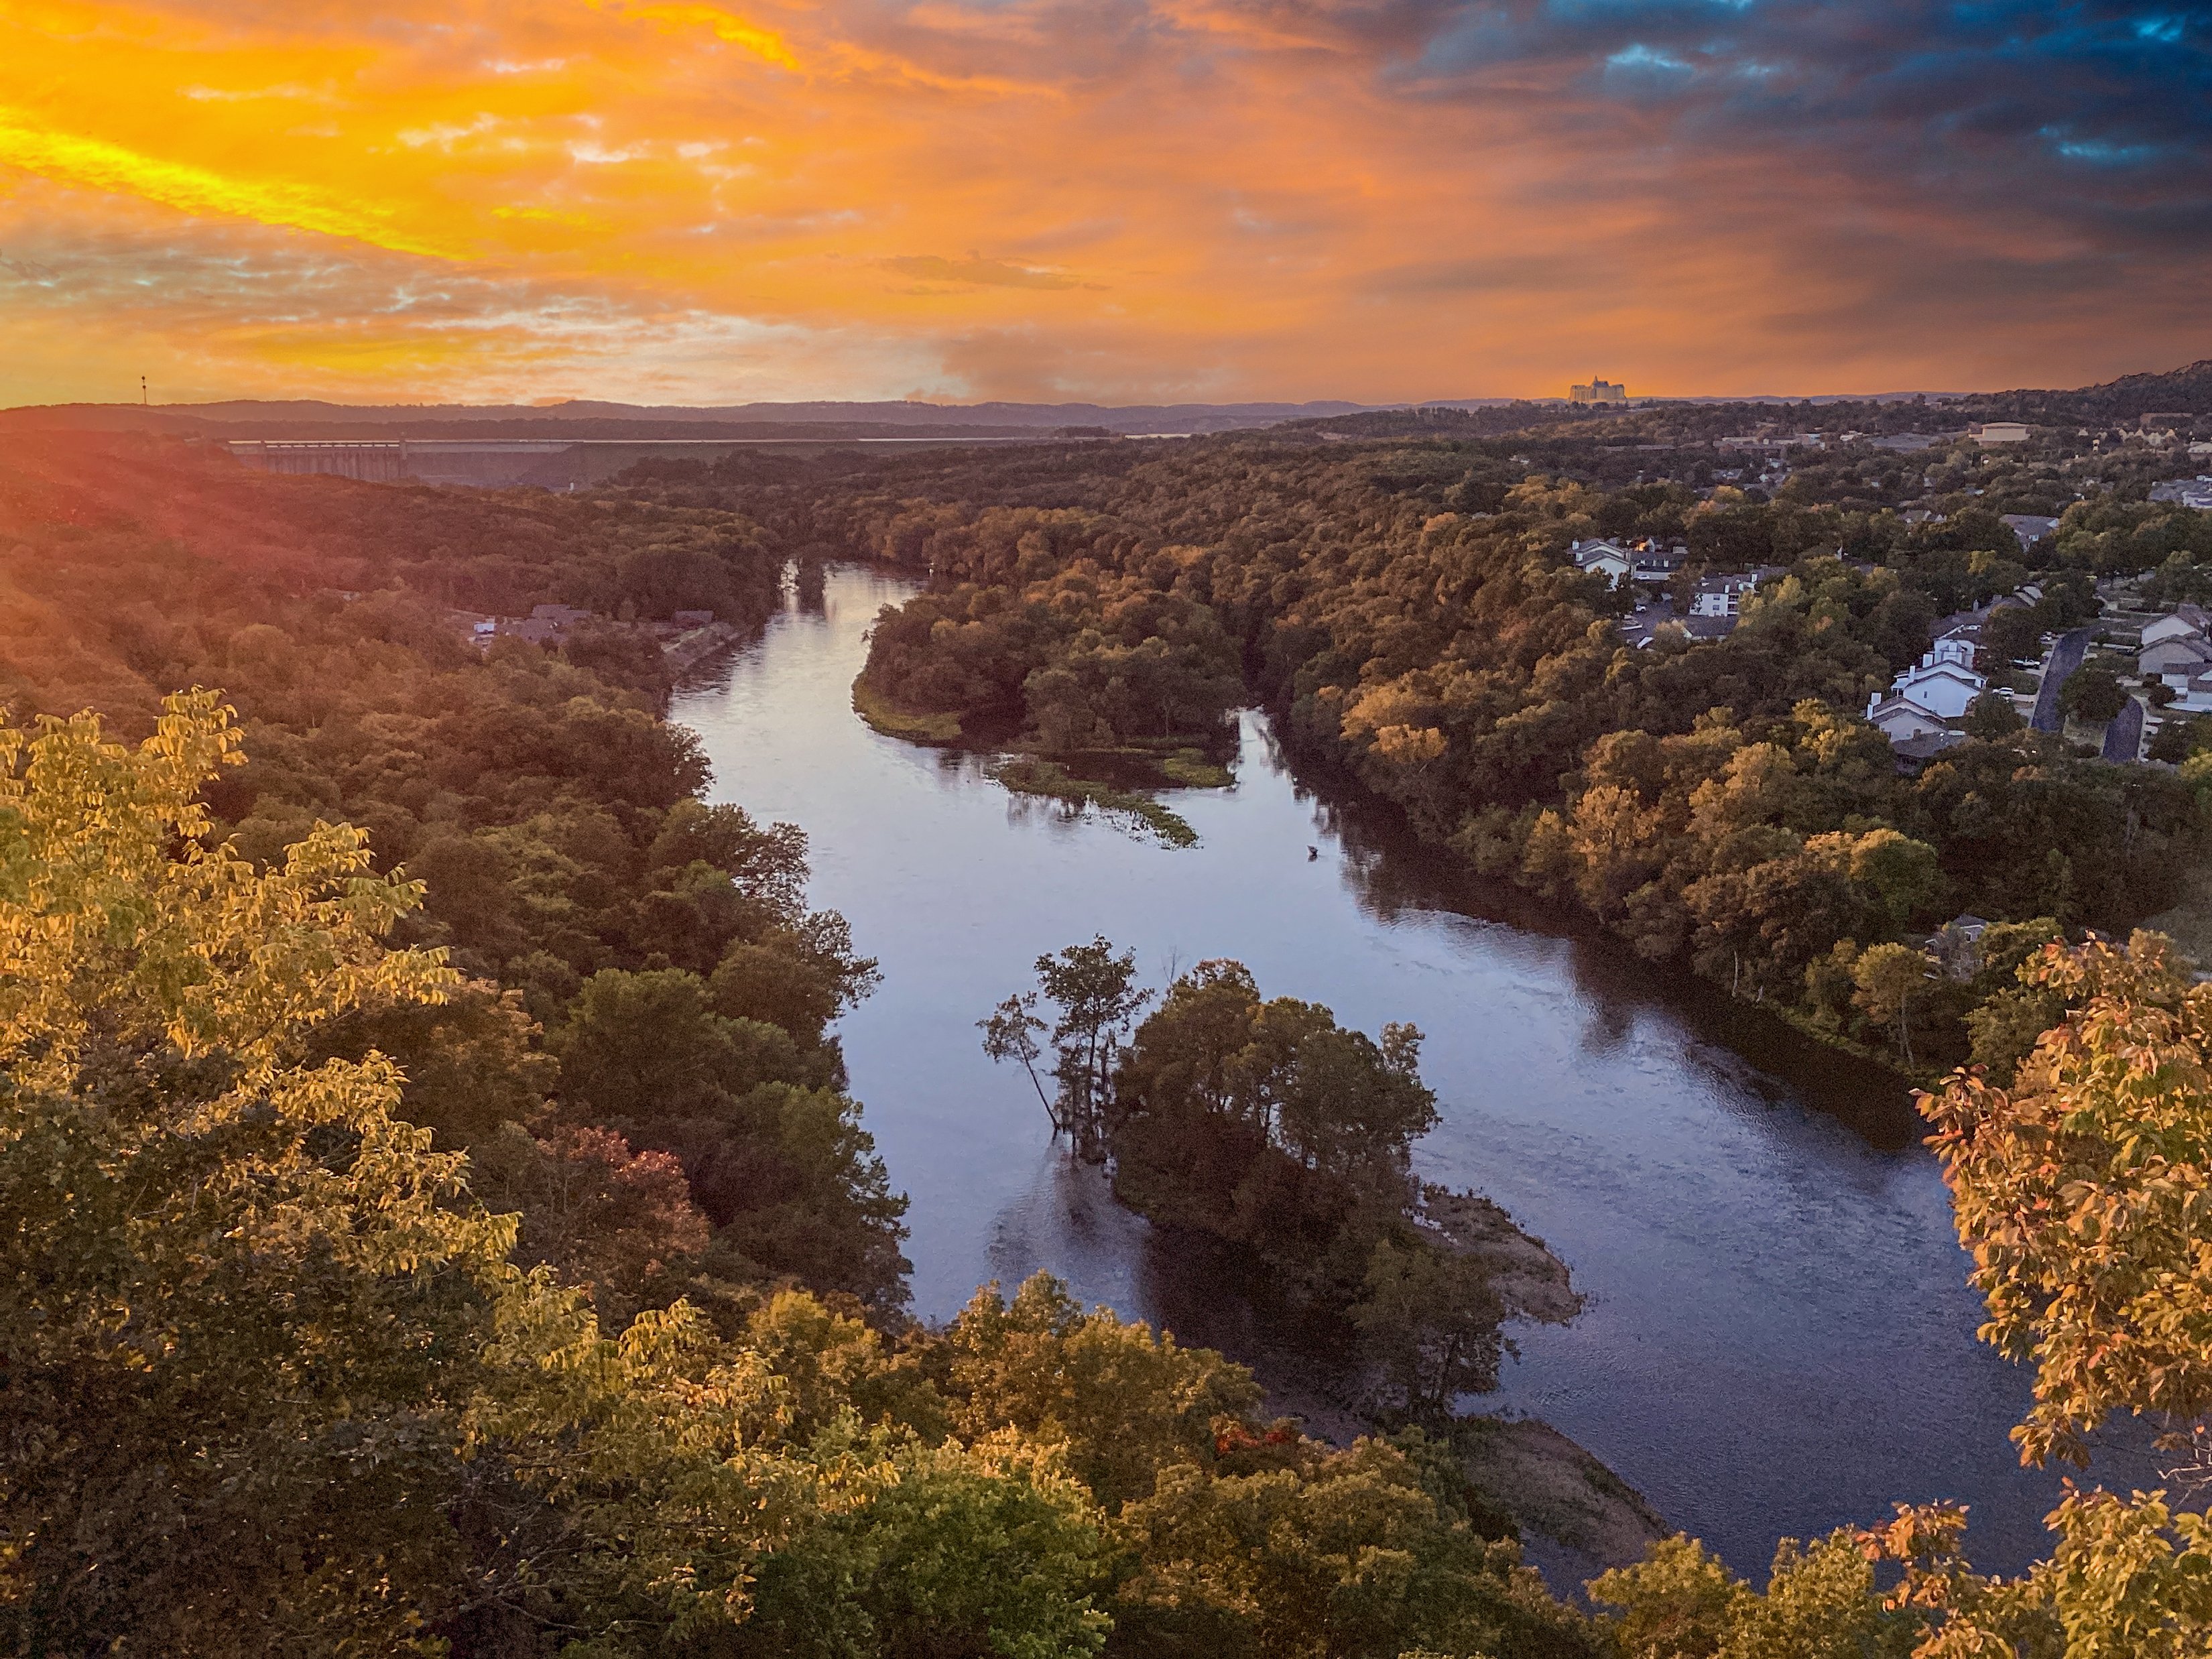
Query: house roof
(1921, 673)
(1896, 703)
(1589, 551)
(1926, 746)
(2193, 645)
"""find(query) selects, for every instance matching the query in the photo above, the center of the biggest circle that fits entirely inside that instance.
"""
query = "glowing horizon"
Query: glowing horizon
(673, 202)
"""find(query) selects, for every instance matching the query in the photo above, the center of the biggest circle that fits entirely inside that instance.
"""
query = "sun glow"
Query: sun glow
(1158, 197)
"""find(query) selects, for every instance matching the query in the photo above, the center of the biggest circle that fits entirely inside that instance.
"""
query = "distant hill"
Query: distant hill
(581, 419)
(2180, 391)
(2183, 389)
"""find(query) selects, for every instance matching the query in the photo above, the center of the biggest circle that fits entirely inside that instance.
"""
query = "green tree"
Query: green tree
(1124, 1402)
(1302, 1551)
(1893, 981)
(2177, 739)
(1096, 993)
(237, 1286)
(1902, 877)
(777, 1160)
(1282, 1072)
(2012, 634)
(992, 1548)
(1678, 1603)
(1819, 1603)
(1430, 1318)
(1009, 1032)
(1992, 716)
(2092, 693)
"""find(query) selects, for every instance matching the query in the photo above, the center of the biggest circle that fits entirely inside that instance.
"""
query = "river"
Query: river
(1779, 1337)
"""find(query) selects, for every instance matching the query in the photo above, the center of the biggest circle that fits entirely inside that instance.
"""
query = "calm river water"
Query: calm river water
(1779, 1337)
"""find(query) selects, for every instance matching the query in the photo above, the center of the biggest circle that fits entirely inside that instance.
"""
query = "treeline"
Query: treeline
(1720, 803)
(124, 555)
(639, 1062)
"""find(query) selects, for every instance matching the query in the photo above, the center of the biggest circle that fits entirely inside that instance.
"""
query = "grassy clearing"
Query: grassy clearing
(1189, 768)
(886, 717)
(1049, 778)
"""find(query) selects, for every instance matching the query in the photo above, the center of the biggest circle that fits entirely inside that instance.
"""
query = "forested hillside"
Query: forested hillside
(436, 1223)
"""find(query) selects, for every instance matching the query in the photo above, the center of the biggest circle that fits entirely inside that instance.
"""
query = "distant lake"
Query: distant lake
(1779, 1340)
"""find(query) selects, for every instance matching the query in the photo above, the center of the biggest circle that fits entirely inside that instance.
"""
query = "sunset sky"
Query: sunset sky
(677, 202)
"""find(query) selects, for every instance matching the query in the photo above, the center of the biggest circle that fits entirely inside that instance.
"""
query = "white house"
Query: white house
(2196, 696)
(1900, 718)
(1722, 596)
(1941, 683)
(2183, 621)
(1607, 559)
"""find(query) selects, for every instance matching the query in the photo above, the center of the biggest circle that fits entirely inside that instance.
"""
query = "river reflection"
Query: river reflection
(1779, 1337)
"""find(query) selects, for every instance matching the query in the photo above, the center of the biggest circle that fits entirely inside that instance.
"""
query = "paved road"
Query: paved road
(2065, 657)
(2123, 735)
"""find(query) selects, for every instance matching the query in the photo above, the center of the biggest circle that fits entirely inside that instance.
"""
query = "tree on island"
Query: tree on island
(1264, 1125)
(1096, 993)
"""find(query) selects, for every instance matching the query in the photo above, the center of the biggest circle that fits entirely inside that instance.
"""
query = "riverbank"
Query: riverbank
(881, 714)
(1576, 1516)
(686, 652)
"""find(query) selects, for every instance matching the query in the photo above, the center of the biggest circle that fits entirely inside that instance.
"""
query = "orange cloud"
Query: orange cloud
(693, 202)
(97, 165)
(765, 44)
(989, 273)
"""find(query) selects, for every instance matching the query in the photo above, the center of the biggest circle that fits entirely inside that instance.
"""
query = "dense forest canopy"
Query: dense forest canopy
(438, 1222)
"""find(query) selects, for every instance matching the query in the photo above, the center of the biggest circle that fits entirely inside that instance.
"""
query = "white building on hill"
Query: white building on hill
(1607, 559)
(1935, 691)
(1722, 596)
